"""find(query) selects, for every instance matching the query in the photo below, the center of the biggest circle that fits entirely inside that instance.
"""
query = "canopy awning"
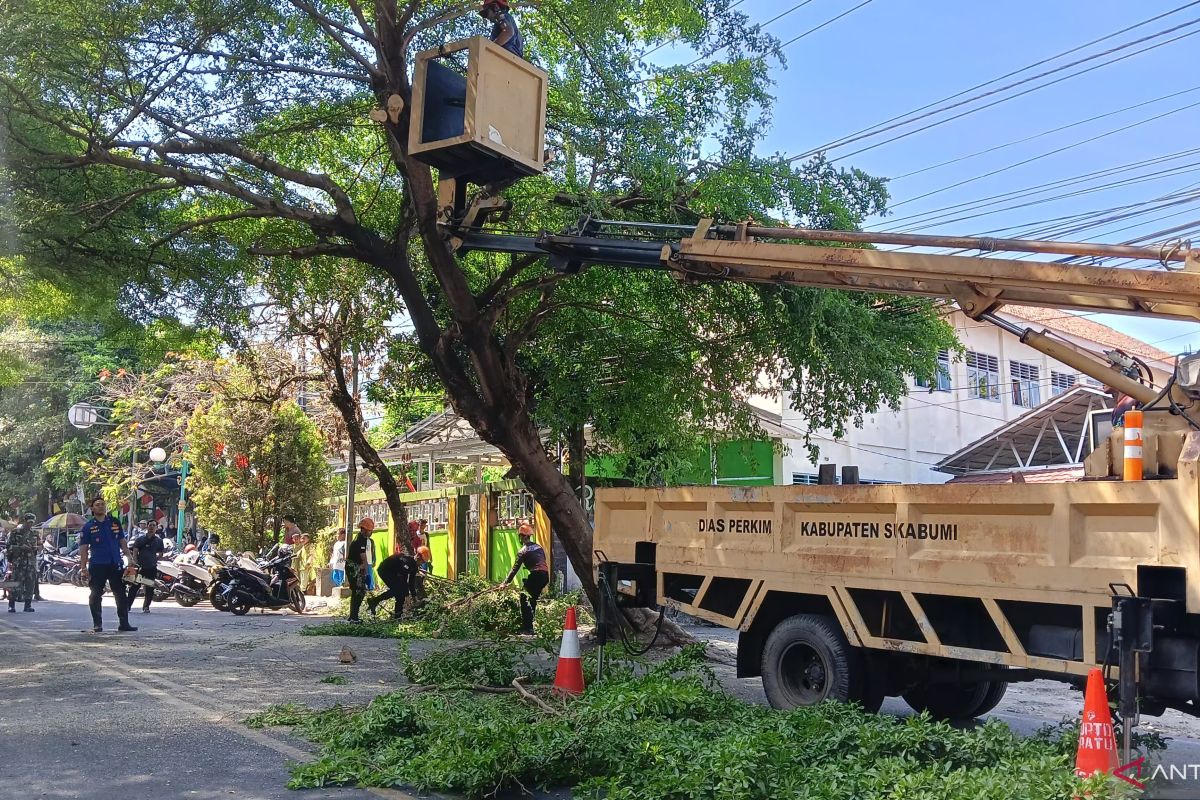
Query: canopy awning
(1053, 434)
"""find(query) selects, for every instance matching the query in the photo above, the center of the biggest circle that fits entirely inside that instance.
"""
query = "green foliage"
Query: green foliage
(633, 140)
(336, 680)
(487, 664)
(494, 615)
(666, 733)
(285, 471)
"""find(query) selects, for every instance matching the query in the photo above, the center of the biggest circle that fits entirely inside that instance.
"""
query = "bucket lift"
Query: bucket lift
(478, 116)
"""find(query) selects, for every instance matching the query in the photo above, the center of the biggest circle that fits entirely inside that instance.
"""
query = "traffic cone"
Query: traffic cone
(568, 676)
(1097, 750)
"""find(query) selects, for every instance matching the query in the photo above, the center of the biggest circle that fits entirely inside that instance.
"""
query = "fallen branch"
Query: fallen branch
(467, 600)
(529, 697)
(420, 688)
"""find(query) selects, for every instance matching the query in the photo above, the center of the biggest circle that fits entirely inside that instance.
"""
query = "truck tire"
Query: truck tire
(807, 660)
(949, 701)
(991, 698)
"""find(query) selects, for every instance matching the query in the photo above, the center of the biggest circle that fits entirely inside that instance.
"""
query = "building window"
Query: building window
(983, 376)
(1061, 382)
(1025, 389)
(941, 382)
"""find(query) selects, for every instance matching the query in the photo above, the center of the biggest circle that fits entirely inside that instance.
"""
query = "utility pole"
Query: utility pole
(352, 461)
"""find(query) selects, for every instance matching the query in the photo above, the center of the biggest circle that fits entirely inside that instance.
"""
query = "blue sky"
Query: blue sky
(890, 57)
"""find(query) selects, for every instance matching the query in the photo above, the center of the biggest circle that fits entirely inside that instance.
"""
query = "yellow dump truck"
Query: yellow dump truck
(942, 594)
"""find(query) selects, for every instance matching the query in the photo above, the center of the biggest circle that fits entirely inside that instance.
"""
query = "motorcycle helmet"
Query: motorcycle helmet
(191, 548)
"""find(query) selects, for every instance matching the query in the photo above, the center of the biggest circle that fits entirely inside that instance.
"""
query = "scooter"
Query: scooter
(193, 584)
(249, 589)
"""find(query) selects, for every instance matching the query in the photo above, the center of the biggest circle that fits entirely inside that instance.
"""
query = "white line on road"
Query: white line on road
(170, 692)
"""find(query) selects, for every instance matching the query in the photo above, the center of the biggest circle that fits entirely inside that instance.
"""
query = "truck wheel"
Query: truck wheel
(807, 660)
(948, 700)
(991, 698)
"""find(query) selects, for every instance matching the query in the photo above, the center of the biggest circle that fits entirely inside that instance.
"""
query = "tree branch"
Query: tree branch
(514, 268)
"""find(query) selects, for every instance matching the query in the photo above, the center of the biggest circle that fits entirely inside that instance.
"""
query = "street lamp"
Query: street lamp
(158, 456)
(183, 473)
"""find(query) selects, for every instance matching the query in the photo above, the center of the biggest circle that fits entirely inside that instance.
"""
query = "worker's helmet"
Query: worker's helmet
(500, 4)
(525, 530)
(190, 548)
(367, 524)
(30, 517)
(424, 554)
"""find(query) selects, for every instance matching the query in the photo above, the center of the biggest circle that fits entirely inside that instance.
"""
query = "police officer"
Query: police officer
(533, 557)
(148, 549)
(101, 543)
(399, 574)
(22, 559)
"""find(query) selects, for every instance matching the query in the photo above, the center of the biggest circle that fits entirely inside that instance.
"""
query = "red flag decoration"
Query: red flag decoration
(241, 461)
(159, 515)
(219, 449)
(145, 498)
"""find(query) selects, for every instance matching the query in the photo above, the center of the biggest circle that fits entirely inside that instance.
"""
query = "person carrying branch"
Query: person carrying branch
(533, 557)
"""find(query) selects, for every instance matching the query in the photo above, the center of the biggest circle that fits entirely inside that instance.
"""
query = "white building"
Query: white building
(997, 380)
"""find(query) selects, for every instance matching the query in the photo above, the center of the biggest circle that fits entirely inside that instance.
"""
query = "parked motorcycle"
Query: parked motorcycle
(278, 588)
(192, 585)
(54, 568)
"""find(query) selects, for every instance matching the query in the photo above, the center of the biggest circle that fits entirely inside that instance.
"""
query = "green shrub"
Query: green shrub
(661, 732)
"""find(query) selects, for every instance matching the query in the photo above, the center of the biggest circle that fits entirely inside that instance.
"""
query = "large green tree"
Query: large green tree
(237, 130)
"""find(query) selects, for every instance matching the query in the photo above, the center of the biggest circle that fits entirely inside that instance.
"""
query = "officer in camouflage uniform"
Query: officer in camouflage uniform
(22, 558)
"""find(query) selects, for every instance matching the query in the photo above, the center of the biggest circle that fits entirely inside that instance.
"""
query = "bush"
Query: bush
(661, 732)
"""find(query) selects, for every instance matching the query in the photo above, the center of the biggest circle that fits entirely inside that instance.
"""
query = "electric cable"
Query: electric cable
(879, 127)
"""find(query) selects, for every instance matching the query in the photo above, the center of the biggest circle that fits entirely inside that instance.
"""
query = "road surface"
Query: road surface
(157, 713)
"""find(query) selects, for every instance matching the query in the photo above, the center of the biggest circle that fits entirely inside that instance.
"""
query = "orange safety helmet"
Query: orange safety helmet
(424, 554)
(367, 524)
(190, 548)
(501, 4)
(525, 530)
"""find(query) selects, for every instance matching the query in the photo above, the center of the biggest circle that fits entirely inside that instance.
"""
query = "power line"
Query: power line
(878, 128)
(1047, 154)
(823, 24)
(1059, 129)
(977, 109)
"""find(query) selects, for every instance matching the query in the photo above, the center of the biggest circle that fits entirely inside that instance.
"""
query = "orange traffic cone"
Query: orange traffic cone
(568, 676)
(1097, 744)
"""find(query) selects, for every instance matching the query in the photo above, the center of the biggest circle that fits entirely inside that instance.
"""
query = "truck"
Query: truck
(942, 594)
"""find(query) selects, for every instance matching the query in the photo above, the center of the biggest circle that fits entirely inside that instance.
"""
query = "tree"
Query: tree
(238, 128)
(252, 465)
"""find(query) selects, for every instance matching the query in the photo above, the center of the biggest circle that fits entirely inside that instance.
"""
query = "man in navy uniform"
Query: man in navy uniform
(101, 544)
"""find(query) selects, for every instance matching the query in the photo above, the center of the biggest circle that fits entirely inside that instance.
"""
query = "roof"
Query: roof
(1053, 434)
(1041, 475)
(1085, 328)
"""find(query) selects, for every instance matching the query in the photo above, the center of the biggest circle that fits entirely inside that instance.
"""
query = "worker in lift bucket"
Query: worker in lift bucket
(1121, 403)
(504, 28)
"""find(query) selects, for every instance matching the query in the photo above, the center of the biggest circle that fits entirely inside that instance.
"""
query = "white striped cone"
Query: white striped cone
(1134, 463)
(568, 676)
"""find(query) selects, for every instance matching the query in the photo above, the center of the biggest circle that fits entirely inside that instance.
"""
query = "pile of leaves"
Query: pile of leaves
(460, 609)
(660, 732)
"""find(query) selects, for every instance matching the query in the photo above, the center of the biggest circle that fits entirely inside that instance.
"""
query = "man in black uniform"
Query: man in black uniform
(533, 557)
(358, 567)
(147, 549)
(399, 573)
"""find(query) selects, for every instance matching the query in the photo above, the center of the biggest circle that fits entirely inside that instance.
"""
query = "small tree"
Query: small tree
(253, 464)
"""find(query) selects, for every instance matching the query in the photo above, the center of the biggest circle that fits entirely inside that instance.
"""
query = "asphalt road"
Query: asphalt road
(157, 713)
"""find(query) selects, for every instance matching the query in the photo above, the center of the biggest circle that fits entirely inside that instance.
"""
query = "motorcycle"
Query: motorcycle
(274, 586)
(54, 568)
(193, 584)
(169, 577)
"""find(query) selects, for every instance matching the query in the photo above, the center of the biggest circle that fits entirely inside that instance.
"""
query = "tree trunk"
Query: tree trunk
(577, 464)
(348, 408)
